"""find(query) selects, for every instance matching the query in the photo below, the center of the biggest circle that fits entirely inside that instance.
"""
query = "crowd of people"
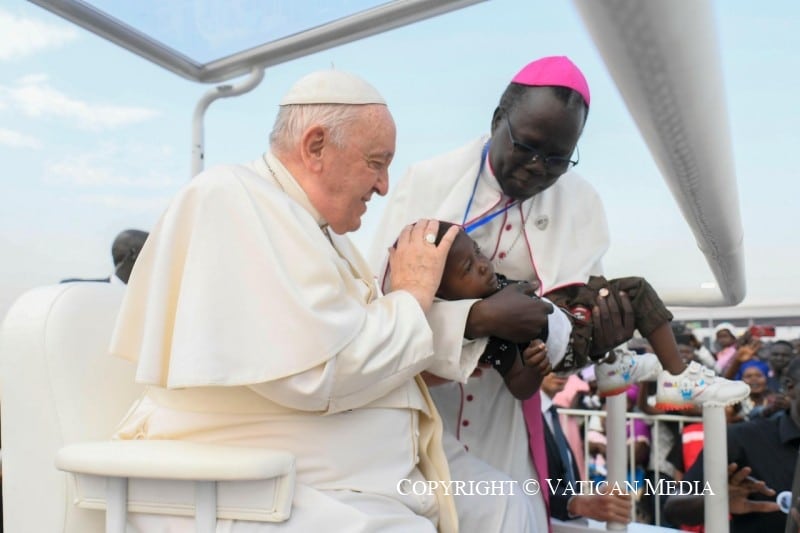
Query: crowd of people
(256, 322)
(763, 431)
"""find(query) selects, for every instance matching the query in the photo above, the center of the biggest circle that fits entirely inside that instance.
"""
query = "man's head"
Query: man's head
(467, 273)
(553, 383)
(684, 335)
(536, 126)
(125, 250)
(780, 355)
(686, 352)
(724, 334)
(336, 136)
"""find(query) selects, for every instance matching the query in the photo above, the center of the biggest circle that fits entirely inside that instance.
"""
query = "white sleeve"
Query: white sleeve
(394, 344)
(559, 331)
(456, 357)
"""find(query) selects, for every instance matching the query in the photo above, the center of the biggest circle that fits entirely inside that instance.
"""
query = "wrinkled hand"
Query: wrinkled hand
(603, 507)
(513, 313)
(741, 486)
(415, 264)
(535, 357)
(611, 326)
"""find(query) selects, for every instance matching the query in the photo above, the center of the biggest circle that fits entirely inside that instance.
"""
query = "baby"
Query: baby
(470, 274)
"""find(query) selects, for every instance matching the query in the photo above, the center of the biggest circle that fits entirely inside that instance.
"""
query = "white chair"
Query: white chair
(62, 396)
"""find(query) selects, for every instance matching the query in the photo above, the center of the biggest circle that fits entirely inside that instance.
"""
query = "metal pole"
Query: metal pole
(221, 91)
(616, 407)
(715, 468)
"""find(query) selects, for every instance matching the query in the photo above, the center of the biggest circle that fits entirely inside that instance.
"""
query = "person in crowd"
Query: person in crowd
(725, 338)
(124, 252)
(765, 446)
(573, 425)
(684, 335)
(743, 489)
(256, 323)
(747, 348)
(780, 355)
(795, 345)
(761, 401)
(566, 500)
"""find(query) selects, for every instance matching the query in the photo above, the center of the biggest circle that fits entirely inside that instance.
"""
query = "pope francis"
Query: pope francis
(255, 322)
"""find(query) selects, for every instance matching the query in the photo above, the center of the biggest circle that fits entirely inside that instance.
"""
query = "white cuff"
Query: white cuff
(559, 330)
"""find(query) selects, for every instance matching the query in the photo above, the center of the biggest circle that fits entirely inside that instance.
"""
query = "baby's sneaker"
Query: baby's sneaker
(697, 385)
(628, 368)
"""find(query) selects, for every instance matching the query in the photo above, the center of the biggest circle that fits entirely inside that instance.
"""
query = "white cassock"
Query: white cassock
(558, 237)
(256, 326)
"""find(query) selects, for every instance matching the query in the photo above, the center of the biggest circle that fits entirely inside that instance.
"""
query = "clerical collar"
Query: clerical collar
(488, 176)
(271, 168)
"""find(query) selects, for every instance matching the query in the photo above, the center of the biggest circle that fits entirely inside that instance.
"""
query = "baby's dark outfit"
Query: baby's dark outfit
(578, 300)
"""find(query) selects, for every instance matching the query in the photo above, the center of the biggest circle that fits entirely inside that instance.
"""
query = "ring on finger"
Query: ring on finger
(430, 238)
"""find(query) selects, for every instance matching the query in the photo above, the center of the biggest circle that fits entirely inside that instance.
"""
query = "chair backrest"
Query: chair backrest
(58, 385)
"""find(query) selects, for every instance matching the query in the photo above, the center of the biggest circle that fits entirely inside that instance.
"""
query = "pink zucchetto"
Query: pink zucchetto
(556, 71)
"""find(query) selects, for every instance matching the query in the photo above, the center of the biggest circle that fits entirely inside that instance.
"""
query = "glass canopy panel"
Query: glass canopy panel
(206, 30)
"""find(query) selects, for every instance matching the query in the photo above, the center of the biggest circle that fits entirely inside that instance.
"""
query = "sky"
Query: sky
(94, 139)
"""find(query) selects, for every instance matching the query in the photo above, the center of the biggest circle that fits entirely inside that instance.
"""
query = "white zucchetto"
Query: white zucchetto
(332, 87)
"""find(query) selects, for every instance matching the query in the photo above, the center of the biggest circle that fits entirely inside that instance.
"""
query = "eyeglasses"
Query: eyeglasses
(553, 164)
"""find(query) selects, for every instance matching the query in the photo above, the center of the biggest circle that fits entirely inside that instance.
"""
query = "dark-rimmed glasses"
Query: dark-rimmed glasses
(553, 164)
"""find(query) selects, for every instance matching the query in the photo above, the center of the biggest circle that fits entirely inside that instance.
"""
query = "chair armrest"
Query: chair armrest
(166, 459)
(162, 477)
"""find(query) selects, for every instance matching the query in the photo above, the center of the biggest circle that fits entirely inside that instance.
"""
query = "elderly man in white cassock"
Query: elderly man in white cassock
(256, 322)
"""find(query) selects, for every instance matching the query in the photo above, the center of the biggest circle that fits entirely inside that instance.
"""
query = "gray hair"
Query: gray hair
(293, 120)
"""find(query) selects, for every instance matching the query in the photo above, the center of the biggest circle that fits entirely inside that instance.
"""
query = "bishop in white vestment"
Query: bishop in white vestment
(552, 232)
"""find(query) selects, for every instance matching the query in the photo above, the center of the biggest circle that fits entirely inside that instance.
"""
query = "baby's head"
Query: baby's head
(467, 273)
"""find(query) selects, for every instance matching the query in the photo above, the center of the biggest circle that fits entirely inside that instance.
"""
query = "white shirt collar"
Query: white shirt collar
(547, 401)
